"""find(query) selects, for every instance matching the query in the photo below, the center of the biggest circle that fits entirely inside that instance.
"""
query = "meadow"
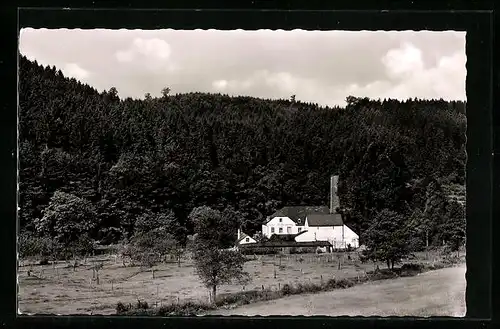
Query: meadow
(60, 288)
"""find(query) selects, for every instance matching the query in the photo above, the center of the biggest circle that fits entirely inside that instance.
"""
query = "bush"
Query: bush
(44, 261)
(247, 297)
(412, 267)
(344, 283)
(184, 309)
(121, 308)
(382, 274)
(286, 289)
(142, 308)
(142, 305)
(331, 283)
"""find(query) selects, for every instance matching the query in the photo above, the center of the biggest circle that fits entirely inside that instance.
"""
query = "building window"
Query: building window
(247, 239)
(281, 220)
(281, 230)
(289, 230)
(299, 229)
(272, 229)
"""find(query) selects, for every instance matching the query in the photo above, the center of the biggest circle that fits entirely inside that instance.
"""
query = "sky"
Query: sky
(322, 67)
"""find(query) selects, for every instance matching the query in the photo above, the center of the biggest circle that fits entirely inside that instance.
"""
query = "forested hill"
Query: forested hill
(124, 159)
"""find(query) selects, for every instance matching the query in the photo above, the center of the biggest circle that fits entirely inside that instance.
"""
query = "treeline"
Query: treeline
(119, 160)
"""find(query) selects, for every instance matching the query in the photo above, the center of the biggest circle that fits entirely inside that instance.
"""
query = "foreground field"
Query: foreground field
(61, 290)
(434, 293)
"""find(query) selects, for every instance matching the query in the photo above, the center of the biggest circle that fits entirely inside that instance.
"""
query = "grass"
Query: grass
(248, 297)
(433, 293)
(72, 292)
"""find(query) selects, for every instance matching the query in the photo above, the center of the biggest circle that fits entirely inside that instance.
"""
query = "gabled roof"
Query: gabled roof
(298, 213)
(325, 220)
(242, 237)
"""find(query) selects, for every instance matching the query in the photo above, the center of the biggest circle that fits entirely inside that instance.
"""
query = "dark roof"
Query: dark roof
(324, 220)
(298, 213)
(283, 244)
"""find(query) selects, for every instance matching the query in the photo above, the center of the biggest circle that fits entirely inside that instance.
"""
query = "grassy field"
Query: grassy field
(59, 289)
(435, 293)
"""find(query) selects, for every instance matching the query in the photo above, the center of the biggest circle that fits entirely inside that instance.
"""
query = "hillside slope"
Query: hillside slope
(132, 158)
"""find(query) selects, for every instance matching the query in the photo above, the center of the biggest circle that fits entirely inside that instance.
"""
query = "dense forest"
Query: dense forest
(93, 164)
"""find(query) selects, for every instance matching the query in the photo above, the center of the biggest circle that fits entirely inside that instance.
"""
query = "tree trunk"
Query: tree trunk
(153, 272)
(427, 238)
(388, 263)
(214, 293)
(392, 263)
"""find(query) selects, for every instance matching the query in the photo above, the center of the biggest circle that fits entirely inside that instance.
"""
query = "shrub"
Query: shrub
(412, 267)
(344, 283)
(142, 308)
(184, 309)
(142, 305)
(331, 283)
(247, 297)
(44, 261)
(121, 308)
(382, 274)
(286, 289)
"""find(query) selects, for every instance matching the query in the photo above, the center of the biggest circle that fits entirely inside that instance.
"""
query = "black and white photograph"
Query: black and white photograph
(241, 172)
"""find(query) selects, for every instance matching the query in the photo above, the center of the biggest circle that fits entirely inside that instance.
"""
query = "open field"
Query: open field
(435, 293)
(60, 290)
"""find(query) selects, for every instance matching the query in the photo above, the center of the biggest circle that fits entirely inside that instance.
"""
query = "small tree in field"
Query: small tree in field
(387, 238)
(216, 267)
(150, 247)
(215, 263)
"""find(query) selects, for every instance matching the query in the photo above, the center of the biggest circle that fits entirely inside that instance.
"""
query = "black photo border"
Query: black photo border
(477, 18)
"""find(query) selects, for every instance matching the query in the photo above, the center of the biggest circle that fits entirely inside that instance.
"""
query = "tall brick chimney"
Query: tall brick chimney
(334, 198)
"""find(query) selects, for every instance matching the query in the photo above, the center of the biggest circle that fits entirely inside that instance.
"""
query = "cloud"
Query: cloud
(153, 52)
(410, 78)
(403, 61)
(75, 71)
(323, 67)
(219, 85)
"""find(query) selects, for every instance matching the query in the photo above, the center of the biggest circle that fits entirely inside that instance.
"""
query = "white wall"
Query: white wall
(321, 233)
(250, 240)
(286, 224)
(351, 237)
(330, 234)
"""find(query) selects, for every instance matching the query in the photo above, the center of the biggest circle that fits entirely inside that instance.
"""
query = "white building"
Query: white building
(244, 238)
(320, 223)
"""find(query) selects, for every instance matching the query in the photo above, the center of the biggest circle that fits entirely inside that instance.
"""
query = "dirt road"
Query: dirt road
(434, 293)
